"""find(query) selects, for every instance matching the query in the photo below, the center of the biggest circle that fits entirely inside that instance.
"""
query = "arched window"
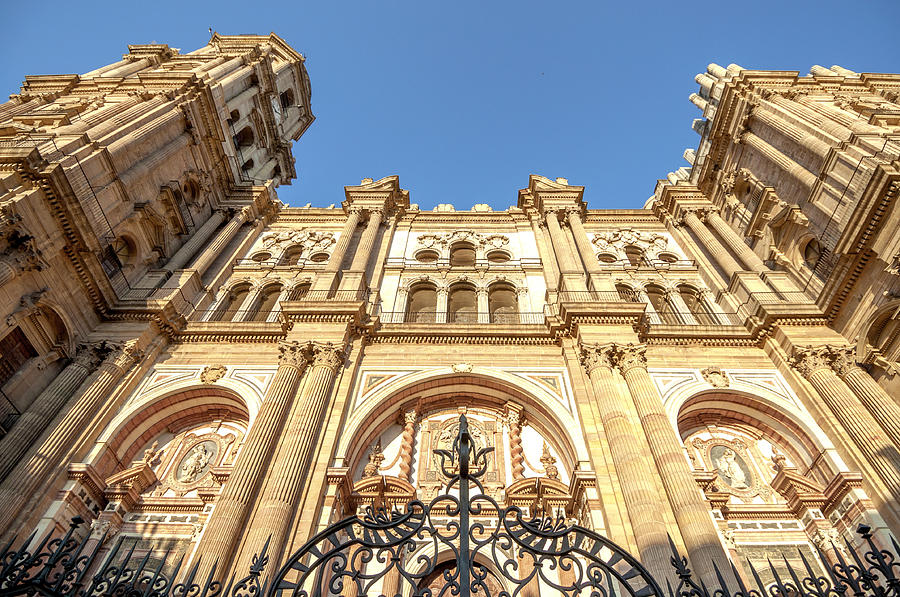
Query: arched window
(227, 310)
(422, 304)
(244, 137)
(266, 303)
(502, 303)
(287, 98)
(462, 255)
(811, 253)
(634, 255)
(626, 293)
(292, 255)
(696, 305)
(657, 298)
(462, 304)
(191, 190)
(299, 291)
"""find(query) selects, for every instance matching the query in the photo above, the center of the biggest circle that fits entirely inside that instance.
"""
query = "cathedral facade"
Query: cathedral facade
(193, 366)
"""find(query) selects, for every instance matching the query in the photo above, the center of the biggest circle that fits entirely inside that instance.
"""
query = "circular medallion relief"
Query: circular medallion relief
(196, 461)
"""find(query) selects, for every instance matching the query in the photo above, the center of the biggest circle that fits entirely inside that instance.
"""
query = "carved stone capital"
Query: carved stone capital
(809, 360)
(123, 356)
(598, 355)
(327, 355)
(293, 354)
(630, 356)
(843, 360)
(410, 417)
(86, 355)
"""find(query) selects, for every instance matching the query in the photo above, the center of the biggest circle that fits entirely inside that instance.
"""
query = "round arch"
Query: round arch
(483, 386)
(862, 342)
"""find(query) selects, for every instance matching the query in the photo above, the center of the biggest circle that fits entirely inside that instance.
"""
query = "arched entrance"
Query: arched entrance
(393, 552)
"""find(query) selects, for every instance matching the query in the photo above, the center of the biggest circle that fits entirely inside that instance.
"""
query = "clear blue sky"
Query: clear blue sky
(465, 99)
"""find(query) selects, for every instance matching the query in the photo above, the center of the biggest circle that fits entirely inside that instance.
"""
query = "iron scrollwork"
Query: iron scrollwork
(491, 550)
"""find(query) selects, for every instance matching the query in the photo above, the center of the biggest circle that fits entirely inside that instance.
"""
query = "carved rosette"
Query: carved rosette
(598, 355)
(809, 360)
(631, 356)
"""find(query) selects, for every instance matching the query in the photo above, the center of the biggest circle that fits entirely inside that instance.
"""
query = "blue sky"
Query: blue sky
(464, 100)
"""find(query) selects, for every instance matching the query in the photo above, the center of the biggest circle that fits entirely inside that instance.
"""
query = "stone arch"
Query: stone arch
(484, 386)
(139, 422)
(462, 302)
(875, 325)
(760, 407)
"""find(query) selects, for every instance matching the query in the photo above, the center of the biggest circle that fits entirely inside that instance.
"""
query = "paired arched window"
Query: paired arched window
(228, 309)
(462, 304)
(635, 255)
(462, 255)
(683, 305)
(421, 305)
(502, 303)
(265, 304)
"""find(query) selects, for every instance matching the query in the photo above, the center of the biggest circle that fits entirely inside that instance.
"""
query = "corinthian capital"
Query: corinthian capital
(327, 355)
(810, 359)
(843, 359)
(123, 356)
(293, 354)
(598, 355)
(629, 356)
(87, 355)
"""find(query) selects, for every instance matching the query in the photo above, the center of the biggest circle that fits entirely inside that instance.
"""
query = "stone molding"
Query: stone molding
(623, 357)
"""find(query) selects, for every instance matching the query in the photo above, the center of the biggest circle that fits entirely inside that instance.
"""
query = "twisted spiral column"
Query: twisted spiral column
(516, 453)
(406, 445)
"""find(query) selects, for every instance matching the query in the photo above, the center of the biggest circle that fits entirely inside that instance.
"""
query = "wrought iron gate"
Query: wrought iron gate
(492, 550)
(461, 544)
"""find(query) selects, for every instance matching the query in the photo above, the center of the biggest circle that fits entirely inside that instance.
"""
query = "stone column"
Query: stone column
(484, 313)
(768, 115)
(709, 241)
(283, 296)
(651, 312)
(187, 250)
(441, 305)
(548, 257)
(560, 246)
(326, 278)
(691, 510)
(364, 248)
(516, 453)
(598, 280)
(402, 301)
(244, 311)
(523, 305)
(815, 365)
(731, 238)
(682, 312)
(706, 297)
(876, 400)
(215, 248)
(226, 523)
(48, 404)
(290, 467)
(407, 442)
(644, 505)
(789, 166)
(47, 458)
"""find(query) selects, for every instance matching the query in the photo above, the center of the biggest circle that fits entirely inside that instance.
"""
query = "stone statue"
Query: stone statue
(195, 463)
(728, 467)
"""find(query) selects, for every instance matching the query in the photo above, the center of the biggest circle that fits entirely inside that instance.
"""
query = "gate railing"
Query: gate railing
(460, 544)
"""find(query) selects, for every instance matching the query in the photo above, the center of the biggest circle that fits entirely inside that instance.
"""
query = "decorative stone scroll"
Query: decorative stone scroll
(615, 241)
(310, 240)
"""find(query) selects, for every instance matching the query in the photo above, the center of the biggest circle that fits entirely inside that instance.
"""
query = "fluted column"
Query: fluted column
(815, 365)
(644, 506)
(876, 400)
(731, 238)
(291, 466)
(187, 250)
(691, 510)
(560, 246)
(226, 524)
(364, 248)
(340, 249)
(709, 241)
(581, 241)
(516, 452)
(548, 257)
(215, 248)
(407, 442)
(43, 462)
(773, 120)
(41, 411)
(789, 166)
(484, 314)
